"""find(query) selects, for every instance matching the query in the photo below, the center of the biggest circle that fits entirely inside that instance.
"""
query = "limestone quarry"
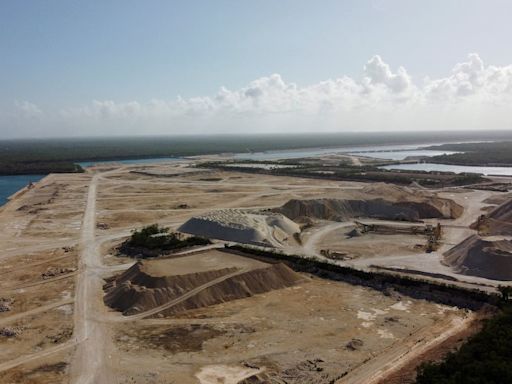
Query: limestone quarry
(74, 310)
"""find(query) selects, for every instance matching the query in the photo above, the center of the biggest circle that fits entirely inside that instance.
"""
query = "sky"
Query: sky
(100, 67)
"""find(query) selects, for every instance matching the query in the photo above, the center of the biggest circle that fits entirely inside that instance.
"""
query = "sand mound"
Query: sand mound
(478, 257)
(136, 291)
(243, 227)
(343, 210)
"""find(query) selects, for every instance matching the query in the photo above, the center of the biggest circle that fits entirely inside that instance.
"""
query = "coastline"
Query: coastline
(21, 191)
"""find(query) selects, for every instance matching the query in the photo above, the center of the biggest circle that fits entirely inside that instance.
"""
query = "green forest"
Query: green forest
(37, 167)
(485, 359)
(493, 153)
(60, 155)
(93, 149)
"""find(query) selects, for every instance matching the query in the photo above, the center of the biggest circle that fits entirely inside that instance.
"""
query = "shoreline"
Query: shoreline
(20, 192)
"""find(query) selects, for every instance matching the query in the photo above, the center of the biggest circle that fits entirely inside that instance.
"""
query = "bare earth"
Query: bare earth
(57, 244)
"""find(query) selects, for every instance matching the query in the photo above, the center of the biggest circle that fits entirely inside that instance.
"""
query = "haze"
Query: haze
(154, 67)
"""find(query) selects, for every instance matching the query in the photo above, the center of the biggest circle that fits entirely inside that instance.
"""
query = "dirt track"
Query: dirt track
(383, 365)
(88, 365)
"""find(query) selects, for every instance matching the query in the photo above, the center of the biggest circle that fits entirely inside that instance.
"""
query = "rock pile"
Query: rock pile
(10, 331)
(56, 271)
(6, 304)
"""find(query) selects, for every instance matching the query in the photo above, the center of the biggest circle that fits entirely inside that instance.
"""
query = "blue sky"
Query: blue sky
(58, 58)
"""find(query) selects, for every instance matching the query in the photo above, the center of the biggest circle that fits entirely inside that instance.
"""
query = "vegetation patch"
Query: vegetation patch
(153, 240)
(446, 294)
(343, 171)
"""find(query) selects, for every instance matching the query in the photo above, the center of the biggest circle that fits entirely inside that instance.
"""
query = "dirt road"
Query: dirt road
(34, 356)
(89, 364)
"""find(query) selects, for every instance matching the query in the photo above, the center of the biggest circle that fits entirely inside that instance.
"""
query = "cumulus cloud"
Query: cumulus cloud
(473, 80)
(377, 73)
(473, 95)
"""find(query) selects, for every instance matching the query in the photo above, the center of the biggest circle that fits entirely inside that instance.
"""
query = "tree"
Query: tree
(506, 292)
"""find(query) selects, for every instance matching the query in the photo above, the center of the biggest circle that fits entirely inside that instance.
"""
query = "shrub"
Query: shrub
(155, 237)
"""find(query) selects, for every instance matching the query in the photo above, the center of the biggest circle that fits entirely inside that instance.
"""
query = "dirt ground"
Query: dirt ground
(39, 231)
(369, 245)
(278, 333)
(56, 250)
(199, 262)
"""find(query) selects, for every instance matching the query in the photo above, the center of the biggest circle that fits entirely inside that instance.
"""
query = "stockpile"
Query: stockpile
(136, 291)
(242, 226)
(498, 221)
(346, 209)
(483, 258)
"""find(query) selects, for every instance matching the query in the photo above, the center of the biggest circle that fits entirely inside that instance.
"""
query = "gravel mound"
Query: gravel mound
(136, 291)
(478, 257)
(499, 220)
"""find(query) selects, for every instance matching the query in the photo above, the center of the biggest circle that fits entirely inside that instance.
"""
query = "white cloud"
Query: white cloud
(27, 110)
(377, 73)
(473, 80)
(472, 96)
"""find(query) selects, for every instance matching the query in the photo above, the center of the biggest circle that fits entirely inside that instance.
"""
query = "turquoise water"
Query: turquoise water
(11, 184)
